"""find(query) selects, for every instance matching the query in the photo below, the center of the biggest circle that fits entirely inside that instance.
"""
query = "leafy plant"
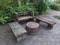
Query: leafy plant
(55, 6)
(41, 5)
(3, 20)
(25, 8)
(57, 17)
(8, 7)
(6, 15)
(4, 4)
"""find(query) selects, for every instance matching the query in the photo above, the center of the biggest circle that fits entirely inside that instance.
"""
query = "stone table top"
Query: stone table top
(32, 25)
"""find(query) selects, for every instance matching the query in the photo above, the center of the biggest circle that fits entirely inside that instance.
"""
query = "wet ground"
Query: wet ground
(44, 37)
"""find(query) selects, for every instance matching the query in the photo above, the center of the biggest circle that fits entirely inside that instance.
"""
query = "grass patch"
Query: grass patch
(57, 17)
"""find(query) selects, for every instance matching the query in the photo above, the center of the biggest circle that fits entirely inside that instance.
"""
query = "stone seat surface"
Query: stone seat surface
(46, 20)
(17, 28)
(25, 17)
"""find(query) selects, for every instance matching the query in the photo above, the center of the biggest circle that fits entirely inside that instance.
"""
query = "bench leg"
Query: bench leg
(38, 21)
(50, 26)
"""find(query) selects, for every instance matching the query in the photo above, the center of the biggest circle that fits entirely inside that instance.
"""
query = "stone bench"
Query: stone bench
(18, 30)
(46, 20)
(23, 16)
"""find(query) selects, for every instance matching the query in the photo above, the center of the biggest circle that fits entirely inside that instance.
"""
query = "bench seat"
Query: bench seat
(25, 18)
(17, 30)
(22, 16)
(46, 20)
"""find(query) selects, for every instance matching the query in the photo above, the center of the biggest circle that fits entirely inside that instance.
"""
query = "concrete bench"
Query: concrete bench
(46, 20)
(18, 30)
(23, 16)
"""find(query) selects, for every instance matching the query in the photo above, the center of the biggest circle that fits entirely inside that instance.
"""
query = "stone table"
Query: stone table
(32, 27)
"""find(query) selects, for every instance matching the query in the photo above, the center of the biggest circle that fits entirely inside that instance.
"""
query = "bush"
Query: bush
(41, 5)
(55, 6)
(26, 8)
(6, 15)
(3, 17)
(8, 7)
(57, 17)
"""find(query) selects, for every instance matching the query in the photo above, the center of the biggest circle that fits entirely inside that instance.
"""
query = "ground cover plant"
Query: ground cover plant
(57, 17)
(55, 5)
(8, 7)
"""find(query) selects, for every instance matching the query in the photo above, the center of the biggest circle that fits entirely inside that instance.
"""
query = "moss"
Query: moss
(57, 17)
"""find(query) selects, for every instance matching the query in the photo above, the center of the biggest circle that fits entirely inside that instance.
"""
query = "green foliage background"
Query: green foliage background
(55, 6)
(8, 7)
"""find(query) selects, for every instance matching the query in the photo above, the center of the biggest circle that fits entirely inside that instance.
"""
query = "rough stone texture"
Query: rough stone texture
(44, 37)
(46, 20)
(18, 30)
(32, 28)
(32, 25)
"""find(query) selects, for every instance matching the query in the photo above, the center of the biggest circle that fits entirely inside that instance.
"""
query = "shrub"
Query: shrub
(8, 7)
(3, 20)
(57, 17)
(55, 6)
(5, 3)
(41, 5)
(3, 17)
(6, 15)
(24, 8)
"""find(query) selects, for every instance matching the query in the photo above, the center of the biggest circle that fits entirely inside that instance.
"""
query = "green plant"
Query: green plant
(4, 17)
(8, 7)
(25, 8)
(57, 17)
(4, 4)
(8, 12)
(41, 5)
(3, 20)
(58, 1)
(55, 6)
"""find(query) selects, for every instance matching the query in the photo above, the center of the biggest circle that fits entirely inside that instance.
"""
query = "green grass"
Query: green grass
(57, 17)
